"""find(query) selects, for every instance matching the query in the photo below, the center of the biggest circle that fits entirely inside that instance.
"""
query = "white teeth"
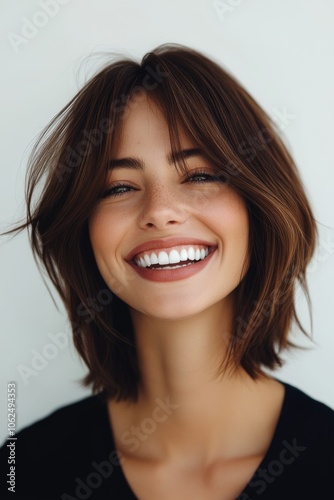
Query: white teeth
(154, 259)
(142, 262)
(163, 258)
(183, 254)
(174, 257)
(191, 253)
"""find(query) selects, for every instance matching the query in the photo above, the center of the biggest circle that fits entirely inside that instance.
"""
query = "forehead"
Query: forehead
(143, 124)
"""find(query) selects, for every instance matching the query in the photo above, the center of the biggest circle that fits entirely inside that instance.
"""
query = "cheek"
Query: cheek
(229, 214)
(104, 235)
(230, 221)
(239, 229)
(96, 230)
(105, 227)
(205, 197)
(109, 230)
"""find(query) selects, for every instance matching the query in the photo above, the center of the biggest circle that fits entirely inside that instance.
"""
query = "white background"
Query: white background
(282, 52)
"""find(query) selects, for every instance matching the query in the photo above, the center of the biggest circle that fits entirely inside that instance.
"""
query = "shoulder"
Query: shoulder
(299, 462)
(310, 413)
(55, 455)
(71, 420)
(53, 432)
(309, 419)
(306, 429)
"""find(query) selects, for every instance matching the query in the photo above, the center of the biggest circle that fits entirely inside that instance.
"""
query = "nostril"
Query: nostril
(152, 224)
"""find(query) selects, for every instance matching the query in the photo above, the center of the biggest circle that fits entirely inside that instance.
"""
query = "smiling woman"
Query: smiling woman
(167, 213)
(166, 184)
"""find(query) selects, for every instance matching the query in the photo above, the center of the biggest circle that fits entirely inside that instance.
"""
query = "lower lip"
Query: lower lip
(179, 273)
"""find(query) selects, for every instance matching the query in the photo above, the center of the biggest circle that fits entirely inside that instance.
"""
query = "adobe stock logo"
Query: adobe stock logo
(31, 27)
(264, 476)
(99, 474)
(225, 7)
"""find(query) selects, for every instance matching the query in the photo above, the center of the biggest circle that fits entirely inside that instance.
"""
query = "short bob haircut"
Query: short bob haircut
(67, 173)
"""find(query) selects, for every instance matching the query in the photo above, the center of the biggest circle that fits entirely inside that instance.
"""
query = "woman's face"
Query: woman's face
(154, 223)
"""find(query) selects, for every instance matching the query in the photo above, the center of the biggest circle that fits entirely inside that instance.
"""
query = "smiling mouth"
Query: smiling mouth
(173, 259)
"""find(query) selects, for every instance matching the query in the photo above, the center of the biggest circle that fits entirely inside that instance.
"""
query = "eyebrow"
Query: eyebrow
(137, 163)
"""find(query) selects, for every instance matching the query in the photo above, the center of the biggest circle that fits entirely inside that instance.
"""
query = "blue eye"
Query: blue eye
(201, 177)
(116, 190)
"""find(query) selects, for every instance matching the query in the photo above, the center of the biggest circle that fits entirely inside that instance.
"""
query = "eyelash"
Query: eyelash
(208, 178)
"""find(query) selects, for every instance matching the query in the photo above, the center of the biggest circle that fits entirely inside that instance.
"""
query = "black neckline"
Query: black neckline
(102, 448)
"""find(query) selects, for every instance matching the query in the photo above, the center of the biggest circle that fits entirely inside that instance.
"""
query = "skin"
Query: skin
(182, 327)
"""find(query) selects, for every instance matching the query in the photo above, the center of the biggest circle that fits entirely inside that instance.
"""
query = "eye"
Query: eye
(116, 190)
(201, 176)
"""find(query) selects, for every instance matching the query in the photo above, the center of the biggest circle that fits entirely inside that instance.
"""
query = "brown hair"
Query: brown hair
(238, 138)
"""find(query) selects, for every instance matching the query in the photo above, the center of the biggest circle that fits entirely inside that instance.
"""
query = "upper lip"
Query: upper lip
(164, 243)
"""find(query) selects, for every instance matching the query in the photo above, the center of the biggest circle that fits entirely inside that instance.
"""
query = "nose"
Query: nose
(161, 208)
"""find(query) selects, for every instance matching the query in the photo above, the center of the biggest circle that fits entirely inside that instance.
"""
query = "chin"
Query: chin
(172, 310)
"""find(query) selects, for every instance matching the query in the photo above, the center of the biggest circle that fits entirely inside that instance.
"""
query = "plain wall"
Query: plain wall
(282, 52)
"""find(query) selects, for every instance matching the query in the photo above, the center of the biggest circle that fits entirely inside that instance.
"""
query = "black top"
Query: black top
(70, 455)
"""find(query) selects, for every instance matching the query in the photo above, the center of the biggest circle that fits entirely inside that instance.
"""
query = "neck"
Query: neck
(179, 363)
(180, 358)
(184, 408)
